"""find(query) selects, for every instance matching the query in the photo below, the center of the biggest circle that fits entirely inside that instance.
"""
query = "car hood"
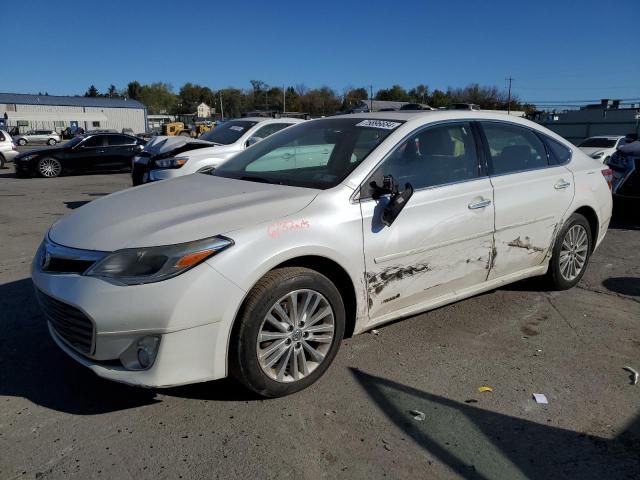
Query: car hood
(160, 145)
(40, 151)
(175, 211)
(212, 152)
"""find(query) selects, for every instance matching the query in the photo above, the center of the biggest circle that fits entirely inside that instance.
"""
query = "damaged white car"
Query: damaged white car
(325, 230)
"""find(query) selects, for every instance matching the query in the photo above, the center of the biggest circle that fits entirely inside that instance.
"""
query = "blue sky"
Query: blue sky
(555, 50)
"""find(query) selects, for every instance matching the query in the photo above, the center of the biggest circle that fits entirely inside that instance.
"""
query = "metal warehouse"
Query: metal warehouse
(31, 112)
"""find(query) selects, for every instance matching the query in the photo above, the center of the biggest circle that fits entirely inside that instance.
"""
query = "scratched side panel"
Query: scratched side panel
(529, 211)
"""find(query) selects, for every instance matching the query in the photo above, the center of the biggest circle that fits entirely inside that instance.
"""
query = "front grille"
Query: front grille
(66, 265)
(73, 326)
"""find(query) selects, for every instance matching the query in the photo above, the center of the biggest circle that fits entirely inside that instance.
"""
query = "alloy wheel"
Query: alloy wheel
(295, 336)
(49, 167)
(574, 251)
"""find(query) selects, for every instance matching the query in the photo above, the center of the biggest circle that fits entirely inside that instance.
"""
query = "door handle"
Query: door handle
(561, 184)
(100, 151)
(287, 156)
(480, 204)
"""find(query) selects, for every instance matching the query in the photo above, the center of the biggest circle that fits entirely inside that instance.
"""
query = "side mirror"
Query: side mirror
(396, 203)
(252, 141)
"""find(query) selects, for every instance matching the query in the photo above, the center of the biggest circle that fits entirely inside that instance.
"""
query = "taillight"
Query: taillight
(607, 173)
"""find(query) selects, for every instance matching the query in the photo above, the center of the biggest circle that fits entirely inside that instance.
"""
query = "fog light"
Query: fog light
(147, 348)
(141, 353)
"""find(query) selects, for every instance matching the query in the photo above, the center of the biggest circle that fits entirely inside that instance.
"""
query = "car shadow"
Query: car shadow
(479, 444)
(33, 367)
(623, 285)
(76, 204)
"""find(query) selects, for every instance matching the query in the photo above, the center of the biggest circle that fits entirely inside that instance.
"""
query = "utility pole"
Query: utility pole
(509, 97)
(284, 98)
(371, 98)
(221, 109)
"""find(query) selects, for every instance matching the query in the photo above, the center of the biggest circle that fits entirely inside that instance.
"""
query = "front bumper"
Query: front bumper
(192, 313)
(9, 155)
(165, 174)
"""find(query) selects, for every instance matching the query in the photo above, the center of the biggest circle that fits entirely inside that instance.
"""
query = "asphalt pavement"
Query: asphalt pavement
(363, 418)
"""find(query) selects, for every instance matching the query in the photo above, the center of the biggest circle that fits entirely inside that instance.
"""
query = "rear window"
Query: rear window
(559, 153)
(598, 143)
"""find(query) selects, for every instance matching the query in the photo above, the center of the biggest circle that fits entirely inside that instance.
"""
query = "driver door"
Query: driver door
(441, 242)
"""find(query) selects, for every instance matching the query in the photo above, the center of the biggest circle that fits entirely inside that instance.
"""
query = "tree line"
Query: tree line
(160, 98)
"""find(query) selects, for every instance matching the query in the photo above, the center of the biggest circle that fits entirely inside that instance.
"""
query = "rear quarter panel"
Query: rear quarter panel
(591, 190)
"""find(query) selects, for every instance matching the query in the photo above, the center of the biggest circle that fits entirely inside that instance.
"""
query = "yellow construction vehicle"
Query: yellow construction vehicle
(178, 128)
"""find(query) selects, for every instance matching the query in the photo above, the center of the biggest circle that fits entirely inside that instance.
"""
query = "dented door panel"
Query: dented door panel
(437, 244)
(529, 210)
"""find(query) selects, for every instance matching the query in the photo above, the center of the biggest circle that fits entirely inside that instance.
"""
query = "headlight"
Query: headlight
(597, 155)
(172, 162)
(136, 266)
(27, 158)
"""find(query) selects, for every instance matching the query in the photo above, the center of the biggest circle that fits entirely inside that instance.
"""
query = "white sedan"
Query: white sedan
(260, 268)
(602, 147)
(229, 138)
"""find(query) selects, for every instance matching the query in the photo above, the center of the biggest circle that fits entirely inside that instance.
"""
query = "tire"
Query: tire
(249, 359)
(2, 161)
(567, 268)
(51, 142)
(22, 142)
(49, 167)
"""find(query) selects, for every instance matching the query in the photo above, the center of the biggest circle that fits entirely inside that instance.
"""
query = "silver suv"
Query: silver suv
(7, 148)
(49, 137)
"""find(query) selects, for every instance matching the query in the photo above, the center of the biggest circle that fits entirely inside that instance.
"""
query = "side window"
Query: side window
(433, 156)
(560, 154)
(513, 148)
(95, 141)
(270, 129)
(116, 140)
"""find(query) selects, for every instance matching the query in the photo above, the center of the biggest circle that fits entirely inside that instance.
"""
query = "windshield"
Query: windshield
(228, 132)
(316, 154)
(598, 143)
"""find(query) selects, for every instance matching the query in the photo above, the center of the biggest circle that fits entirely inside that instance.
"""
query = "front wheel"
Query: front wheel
(288, 332)
(51, 142)
(49, 167)
(22, 142)
(571, 253)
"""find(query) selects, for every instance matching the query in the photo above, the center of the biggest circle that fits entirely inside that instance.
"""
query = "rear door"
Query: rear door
(119, 151)
(531, 194)
(441, 242)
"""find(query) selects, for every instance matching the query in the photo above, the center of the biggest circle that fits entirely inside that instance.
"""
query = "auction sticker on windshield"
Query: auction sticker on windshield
(385, 124)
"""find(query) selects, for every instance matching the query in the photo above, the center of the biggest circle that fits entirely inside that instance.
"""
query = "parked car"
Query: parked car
(259, 268)
(50, 137)
(7, 148)
(625, 164)
(103, 151)
(166, 158)
(601, 147)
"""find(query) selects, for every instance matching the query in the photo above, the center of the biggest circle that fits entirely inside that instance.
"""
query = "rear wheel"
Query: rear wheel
(22, 142)
(49, 167)
(51, 141)
(2, 161)
(571, 253)
(288, 332)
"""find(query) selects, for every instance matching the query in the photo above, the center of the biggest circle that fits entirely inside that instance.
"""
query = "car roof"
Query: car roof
(266, 119)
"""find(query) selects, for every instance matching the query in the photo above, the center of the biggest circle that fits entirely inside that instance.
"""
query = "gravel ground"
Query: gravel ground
(57, 420)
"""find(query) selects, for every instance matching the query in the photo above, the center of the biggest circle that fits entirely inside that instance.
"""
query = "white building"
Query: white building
(35, 112)
(203, 111)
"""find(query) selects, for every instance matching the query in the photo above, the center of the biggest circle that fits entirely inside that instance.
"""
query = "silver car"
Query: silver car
(49, 137)
(7, 148)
